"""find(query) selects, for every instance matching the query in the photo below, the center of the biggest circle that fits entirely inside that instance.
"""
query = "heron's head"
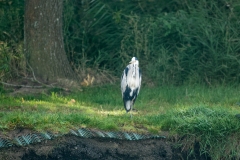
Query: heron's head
(134, 61)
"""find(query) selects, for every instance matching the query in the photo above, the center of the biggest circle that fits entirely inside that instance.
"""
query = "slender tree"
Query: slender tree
(44, 46)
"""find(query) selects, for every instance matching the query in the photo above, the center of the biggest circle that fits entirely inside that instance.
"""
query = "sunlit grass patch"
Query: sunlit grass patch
(104, 103)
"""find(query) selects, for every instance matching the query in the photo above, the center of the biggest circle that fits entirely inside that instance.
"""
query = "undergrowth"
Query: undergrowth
(176, 42)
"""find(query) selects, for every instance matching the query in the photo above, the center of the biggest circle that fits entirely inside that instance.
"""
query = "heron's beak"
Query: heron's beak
(131, 62)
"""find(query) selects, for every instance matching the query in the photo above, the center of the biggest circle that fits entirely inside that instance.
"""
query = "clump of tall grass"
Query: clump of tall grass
(215, 129)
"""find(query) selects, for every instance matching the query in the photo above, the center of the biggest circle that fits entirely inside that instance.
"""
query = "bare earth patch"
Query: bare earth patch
(71, 147)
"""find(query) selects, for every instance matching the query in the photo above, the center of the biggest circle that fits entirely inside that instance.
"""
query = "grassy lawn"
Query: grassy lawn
(200, 114)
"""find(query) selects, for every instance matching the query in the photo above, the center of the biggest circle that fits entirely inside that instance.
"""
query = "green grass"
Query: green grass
(197, 113)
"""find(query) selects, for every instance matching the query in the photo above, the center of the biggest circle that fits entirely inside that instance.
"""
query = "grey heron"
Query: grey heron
(130, 84)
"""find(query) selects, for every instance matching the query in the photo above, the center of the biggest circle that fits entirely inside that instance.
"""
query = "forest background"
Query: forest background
(177, 42)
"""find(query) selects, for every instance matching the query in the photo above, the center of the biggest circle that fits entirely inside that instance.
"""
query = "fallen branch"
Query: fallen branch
(17, 85)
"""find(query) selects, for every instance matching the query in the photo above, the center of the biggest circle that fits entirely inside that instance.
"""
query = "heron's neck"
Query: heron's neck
(134, 70)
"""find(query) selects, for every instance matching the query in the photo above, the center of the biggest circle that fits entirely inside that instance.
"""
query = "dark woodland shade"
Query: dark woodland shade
(178, 43)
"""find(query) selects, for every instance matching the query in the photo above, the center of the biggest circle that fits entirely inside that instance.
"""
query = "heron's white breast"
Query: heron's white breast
(133, 81)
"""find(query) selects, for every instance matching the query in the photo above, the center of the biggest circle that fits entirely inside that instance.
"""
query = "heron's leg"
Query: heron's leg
(132, 105)
(131, 113)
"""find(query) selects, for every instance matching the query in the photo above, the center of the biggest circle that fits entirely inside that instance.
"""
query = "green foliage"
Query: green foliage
(11, 19)
(176, 42)
(90, 34)
(2, 90)
(11, 38)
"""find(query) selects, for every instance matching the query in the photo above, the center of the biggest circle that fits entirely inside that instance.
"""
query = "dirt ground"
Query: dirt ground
(70, 147)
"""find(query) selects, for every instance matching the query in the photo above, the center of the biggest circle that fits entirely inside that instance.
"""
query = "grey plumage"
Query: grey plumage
(131, 83)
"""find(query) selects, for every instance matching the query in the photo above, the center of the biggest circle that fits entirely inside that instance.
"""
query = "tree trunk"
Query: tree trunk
(44, 46)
